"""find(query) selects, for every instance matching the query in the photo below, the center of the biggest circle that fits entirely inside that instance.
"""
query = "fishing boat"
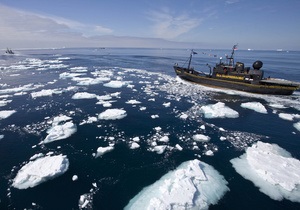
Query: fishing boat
(236, 76)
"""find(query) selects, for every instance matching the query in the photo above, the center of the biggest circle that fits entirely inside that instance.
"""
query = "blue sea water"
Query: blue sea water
(116, 177)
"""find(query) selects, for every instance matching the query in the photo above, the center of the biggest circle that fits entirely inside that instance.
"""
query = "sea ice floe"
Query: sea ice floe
(102, 150)
(134, 145)
(23, 88)
(66, 75)
(84, 95)
(114, 84)
(290, 117)
(42, 93)
(60, 131)
(4, 102)
(74, 178)
(6, 113)
(112, 114)
(256, 106)
(133, 101)
(167, 104)
(201, 138)
(40, 170)
(218, 110)
(272, 169)
(193, 185)
(297, 126)
(183, 116)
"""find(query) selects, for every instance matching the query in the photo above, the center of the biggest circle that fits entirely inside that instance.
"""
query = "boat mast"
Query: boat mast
(231, 58)
(191, 55)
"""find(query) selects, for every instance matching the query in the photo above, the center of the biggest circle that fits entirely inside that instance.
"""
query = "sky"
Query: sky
(207, 24)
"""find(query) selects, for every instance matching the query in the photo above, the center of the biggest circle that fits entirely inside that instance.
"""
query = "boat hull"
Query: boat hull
(234, 85)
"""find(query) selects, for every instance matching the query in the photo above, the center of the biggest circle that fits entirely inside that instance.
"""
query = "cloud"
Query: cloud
(21, 28)
(169, 26)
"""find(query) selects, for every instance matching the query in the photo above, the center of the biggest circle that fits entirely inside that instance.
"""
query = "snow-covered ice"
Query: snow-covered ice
(134, 145)
(201, 138)
(59, 131)
(256, 106)
(6, 113)
(272, 169)
(114, 84)
(102, 150)
(40, 170)
(133, 101)
(193, 185)
(297, 126)
(289, 117)
(218, 110)
(112, 114)
(84, 95)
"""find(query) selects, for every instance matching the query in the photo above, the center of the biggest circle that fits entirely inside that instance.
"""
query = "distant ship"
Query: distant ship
(237, 77)
(9, 51)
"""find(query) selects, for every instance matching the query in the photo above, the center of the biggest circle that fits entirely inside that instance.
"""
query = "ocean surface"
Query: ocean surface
(37, 86)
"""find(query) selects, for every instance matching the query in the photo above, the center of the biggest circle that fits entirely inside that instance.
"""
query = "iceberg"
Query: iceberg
(40, 170)
(272, 169)
(256, 106)
(112, 114)
(193, 185)
(218, 110)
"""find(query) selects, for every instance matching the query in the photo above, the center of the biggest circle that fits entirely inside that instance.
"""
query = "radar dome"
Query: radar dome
(257, 65)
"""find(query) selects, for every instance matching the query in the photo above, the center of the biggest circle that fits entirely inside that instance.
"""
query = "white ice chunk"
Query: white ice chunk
(159, 149)
(193, 185)
(74, 178)
(297, 126)
(40, 170)
(114, 84)
(112, 114)
(167, 104)
(289, 117)
(164, 139)
(102, 150)
(201, 138)
(84, 95)
(134, 145)
(183, 116)
(133, 102)
(58, 132)
(43, 93)
(136, 139)
(4, 102)
(218, 110)
(272, 169)
(209, 153)
(256, 106)
(178, 147)
(6, 113)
